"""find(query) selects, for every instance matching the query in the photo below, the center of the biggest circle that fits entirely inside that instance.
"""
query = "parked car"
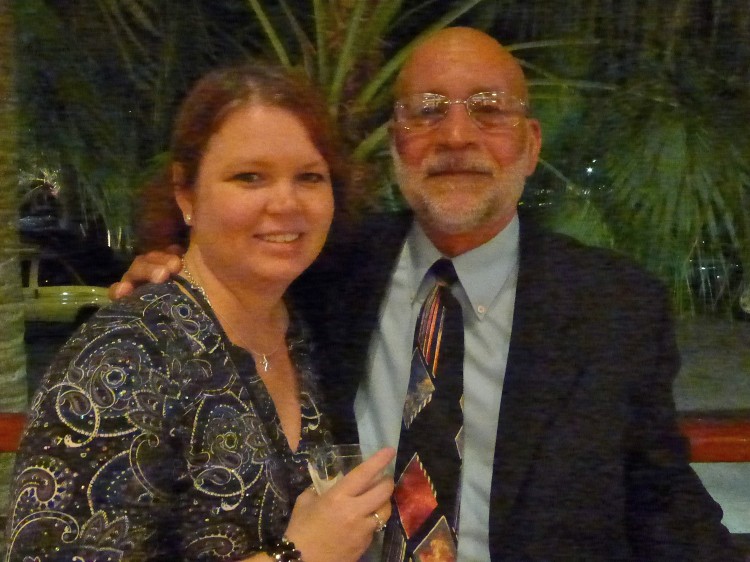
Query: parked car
(721, 285)
(38, 225)
(743, 303)
(54, 291)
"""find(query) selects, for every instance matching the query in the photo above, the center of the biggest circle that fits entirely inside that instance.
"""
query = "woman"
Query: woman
(176, 424)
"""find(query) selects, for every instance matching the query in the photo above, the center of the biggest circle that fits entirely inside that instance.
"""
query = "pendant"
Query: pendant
(264, 362)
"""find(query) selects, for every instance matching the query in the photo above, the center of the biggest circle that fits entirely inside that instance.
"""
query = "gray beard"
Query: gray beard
(433, 213)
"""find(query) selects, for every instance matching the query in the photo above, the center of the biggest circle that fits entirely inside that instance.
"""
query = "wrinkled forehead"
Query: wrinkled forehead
(458, 65)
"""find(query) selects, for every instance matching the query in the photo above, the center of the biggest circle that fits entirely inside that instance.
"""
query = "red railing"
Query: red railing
(11, 427)
(717, 438)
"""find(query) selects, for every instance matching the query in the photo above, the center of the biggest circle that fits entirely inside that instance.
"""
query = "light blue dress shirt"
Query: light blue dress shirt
(486, 290)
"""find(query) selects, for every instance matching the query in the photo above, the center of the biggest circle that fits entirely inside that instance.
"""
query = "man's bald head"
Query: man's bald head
(453, 46)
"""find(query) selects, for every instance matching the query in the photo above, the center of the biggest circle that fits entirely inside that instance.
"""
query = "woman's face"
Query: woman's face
(262, 202)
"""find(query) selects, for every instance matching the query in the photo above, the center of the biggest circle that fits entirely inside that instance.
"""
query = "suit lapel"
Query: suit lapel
(541, 369)
(376, 260)
(354, 308)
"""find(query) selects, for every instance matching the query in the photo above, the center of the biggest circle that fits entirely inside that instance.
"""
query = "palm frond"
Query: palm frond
(383, 77)
(306, 47)
(348, 54)
(320, 15)
(271, 33)
(374, 141)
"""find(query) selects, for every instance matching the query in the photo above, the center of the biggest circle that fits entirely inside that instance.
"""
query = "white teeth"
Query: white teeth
(280, 237)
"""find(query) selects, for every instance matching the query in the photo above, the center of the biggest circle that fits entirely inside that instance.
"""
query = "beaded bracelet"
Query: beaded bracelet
(284, 551)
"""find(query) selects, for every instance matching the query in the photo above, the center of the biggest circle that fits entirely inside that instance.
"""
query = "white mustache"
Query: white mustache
(457, 164)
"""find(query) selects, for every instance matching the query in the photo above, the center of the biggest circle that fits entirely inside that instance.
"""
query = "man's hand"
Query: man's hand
(153, 267)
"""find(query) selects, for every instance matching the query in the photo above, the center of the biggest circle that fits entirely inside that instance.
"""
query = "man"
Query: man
(571, 450)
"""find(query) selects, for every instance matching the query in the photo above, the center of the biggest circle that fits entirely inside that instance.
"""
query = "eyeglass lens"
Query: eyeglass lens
(489, 110)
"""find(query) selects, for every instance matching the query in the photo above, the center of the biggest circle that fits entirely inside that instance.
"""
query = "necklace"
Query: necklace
(264, 358)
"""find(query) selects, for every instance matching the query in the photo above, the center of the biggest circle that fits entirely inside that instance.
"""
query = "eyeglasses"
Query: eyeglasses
(489, 110)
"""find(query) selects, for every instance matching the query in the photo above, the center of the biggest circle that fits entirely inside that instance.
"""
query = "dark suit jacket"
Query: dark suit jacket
(589, 464)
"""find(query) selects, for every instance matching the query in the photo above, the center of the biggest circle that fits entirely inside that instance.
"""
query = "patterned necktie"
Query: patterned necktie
(423, 525)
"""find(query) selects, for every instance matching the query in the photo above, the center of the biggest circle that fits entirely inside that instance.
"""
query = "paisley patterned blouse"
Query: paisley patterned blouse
(152, 437)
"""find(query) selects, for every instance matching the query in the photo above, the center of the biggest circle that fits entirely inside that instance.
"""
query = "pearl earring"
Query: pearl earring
(188, 219)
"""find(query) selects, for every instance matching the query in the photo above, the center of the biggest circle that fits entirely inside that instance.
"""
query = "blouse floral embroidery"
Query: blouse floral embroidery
(152, 437)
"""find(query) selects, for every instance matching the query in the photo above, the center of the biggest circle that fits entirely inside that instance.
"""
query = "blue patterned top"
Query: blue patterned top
(152, 437)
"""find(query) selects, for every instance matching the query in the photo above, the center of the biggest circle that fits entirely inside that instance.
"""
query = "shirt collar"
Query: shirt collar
(482, 272)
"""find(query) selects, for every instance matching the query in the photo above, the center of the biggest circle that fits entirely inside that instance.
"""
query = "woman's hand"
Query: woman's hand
(339, 524)
(153, 267)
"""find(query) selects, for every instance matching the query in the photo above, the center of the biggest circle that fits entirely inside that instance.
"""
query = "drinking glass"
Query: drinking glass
(328, 464)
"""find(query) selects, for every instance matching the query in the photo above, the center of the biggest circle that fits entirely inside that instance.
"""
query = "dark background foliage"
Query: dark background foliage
(643, 106)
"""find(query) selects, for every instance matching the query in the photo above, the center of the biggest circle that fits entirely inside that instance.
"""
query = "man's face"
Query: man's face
(458, 178)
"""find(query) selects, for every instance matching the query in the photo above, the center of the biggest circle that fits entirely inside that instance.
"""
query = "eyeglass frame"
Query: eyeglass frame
(523, 112)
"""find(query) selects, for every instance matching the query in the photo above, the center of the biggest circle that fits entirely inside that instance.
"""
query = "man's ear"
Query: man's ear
(182, 193)
(534, 146)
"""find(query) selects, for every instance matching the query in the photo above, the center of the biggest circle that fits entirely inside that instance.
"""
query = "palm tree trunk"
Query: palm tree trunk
(12, 356)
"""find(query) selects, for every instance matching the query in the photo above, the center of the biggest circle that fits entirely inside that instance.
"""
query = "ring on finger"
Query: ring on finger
(381, 523)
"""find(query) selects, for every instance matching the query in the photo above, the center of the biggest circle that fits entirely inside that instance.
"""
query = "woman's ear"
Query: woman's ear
(182, 193)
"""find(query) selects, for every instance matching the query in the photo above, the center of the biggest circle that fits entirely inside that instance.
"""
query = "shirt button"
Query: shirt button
(481, 309)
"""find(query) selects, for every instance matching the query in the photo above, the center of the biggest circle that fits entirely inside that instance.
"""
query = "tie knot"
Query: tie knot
(444, 272)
